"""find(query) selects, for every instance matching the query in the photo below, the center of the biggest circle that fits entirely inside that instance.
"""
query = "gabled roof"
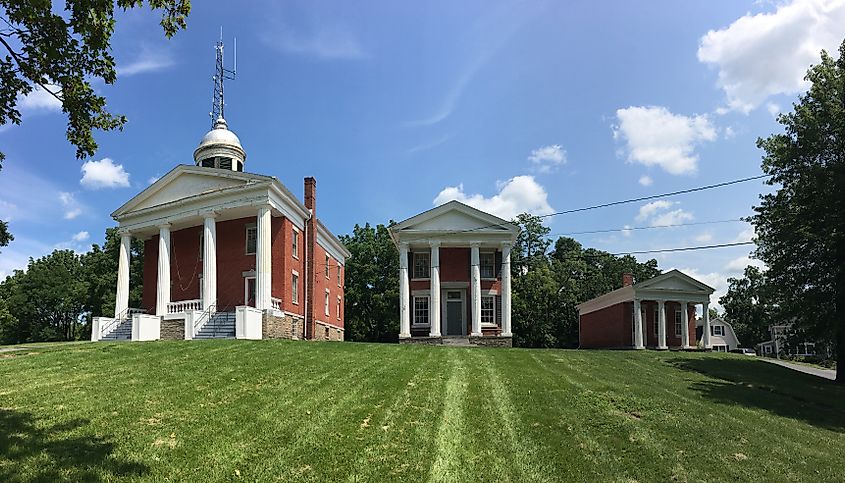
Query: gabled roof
(454, 218)
(189, 181)
(658, 281)
(666, 286)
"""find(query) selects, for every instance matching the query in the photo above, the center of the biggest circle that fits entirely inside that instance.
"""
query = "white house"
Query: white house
(722, 335)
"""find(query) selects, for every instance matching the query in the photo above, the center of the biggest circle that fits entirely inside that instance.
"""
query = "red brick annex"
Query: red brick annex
(657, 313)
(227, 254)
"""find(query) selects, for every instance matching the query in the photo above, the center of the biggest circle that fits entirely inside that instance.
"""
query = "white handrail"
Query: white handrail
(184, 306)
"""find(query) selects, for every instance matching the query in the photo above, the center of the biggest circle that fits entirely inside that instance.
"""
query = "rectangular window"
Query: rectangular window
(717, 330)
(327, 302)
(487, 264)
(422, 264)
(251, 239)
(295, 244)
(338, 307)
(421, 310)
(327, 266)
(678, 323)
(488, 310)
(339, 275)
(294, 288)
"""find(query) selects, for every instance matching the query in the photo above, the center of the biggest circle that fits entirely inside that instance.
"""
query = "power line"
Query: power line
(685, 249)
(633, 228)
(632, 200)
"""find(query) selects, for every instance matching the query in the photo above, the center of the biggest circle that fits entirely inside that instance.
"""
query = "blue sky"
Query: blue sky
(395, 106)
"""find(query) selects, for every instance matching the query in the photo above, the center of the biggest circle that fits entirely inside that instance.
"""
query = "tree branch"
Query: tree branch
(18, 61)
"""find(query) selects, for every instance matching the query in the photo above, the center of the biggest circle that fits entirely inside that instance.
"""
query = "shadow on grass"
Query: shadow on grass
(30, 451)
(779, 390)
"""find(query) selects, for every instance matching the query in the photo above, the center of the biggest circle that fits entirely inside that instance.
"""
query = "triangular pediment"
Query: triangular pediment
(185, 182)
(674, 281)
(455, 216)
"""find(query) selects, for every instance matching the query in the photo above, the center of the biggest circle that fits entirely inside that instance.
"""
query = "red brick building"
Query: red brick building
(227, 254)
(455, 277)
(658, 313)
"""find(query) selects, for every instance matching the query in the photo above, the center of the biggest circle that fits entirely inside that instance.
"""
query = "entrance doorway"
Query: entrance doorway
(455, 313)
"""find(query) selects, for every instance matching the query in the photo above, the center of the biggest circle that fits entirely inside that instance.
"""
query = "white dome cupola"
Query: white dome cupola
(220, 148)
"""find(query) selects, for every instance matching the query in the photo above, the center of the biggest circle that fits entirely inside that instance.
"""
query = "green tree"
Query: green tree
(801, 226)
(371, 285)
(46, 300)
(749, 306)
(531, 244)
(63, 53)
(99, 269)
(5, 236)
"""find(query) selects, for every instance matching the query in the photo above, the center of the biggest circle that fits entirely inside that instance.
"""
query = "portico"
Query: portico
(658, 313)
(454, 275)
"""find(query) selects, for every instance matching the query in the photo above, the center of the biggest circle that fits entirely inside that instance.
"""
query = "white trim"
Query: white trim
(488, 324)
(326, 304)
(414, 298)
(247, 227)
(295, 234)
(246, 290)
(294, 285)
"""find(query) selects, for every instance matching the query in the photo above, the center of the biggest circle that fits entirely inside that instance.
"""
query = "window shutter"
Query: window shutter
(498, 264)
(498, 303)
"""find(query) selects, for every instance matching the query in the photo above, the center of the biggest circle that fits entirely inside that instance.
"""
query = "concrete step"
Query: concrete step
(457, 341)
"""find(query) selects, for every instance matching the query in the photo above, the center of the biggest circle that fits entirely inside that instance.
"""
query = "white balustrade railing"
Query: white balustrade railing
(184, 306)
(276, 304)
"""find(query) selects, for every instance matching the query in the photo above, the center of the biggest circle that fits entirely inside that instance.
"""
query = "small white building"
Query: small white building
(722, 335)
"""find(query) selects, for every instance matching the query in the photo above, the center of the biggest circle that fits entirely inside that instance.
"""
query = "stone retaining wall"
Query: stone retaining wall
(491, 341)
(173, 329)
(327, 332)
(282, 327)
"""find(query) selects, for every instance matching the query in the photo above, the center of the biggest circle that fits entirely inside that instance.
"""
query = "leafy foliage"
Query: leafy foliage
(749, 306)
(801, 227)
(55, 297)
(371, 285)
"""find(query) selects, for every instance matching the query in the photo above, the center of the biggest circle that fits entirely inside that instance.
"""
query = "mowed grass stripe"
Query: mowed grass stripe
(453, 456)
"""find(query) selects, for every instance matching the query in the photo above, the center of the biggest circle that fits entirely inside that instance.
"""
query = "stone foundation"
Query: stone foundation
(173, 329)
(327, 332)
(492, 341)
(282, 327)
(422, 340)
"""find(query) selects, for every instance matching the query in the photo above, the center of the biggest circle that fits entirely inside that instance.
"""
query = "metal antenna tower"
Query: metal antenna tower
(221, 74)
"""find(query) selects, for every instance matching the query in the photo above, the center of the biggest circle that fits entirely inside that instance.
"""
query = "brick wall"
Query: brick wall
(609, 327)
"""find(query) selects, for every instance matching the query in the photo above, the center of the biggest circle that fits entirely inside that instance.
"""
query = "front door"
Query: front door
(249, 292)
(454, 312)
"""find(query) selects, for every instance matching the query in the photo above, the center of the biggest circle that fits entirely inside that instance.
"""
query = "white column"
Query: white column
(506, 290)
(705, 337)
(209, 260)
(475, 287)
(263, 260)
(434, 305)
(638, 325)
(121, 300)
(404, 310)
(685, 324)
(661, 325)
(163, 284)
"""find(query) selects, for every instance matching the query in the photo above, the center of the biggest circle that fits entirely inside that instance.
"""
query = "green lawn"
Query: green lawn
(271, 410)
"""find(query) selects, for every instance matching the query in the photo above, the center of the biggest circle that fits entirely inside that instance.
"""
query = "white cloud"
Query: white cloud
(659, 214)
(152, 179)
(627, 230)
(773, 109)
(717, 280)
(325, 42)
(40, 100)
(758, 56)
(547, 158)
(520, 194)
(148, 60)
(655, 137)
(737, 265)
(704, 237)
(646, 180)
(81, 236)
(72, 209)
(103, 174)
(650, 209)
(745, 235)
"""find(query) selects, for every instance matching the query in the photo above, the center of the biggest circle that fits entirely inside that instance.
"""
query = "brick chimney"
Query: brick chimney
(310, 196)
(627, 279)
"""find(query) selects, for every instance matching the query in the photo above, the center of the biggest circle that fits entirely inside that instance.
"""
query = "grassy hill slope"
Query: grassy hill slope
(223, 410)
